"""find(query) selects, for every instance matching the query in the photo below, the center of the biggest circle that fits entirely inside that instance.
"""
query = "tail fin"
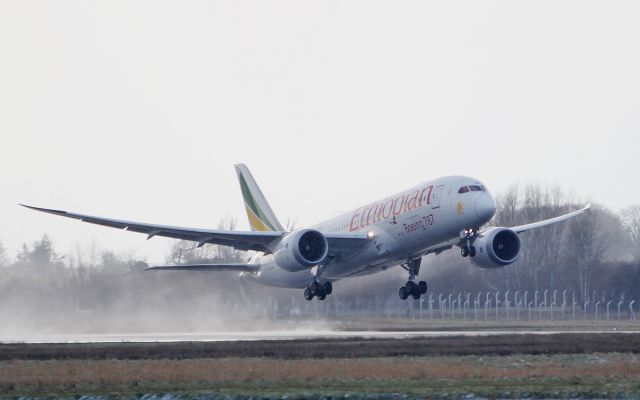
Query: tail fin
(261, 216)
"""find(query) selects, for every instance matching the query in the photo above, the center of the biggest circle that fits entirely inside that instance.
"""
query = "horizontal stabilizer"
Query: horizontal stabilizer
(206, 267)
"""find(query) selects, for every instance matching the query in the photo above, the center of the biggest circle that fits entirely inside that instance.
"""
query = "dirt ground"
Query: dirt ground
(561, 343)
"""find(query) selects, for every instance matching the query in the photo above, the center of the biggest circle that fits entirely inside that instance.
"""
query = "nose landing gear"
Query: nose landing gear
(468, 236)
(411, 288)
(469, 251)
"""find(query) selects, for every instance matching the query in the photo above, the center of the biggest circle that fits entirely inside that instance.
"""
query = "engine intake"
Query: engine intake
(301, 249)
(496, 248)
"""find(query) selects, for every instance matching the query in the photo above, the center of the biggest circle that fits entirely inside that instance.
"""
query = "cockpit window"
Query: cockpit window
(463, 189)
(475, 188)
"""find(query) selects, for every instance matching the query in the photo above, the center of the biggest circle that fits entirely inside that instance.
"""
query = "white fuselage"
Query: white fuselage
(405, 226)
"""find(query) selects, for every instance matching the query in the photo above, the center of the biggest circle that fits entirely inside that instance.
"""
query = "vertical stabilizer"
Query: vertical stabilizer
(261, 216)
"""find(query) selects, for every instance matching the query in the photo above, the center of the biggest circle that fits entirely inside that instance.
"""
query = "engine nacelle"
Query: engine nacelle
(301, 249)
(496, 248)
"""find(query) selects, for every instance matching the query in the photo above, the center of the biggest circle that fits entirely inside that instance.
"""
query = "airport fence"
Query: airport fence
(509, 305)
(539, 305)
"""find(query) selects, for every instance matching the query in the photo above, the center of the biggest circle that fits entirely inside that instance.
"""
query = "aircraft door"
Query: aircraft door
(435, 197)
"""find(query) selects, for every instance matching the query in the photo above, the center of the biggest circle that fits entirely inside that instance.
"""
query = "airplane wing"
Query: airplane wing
(517, 229)
(344, 243)
(241, 240)
(528, 227)
(206, 267)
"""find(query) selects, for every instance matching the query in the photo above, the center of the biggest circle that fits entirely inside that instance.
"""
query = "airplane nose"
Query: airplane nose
(485, 206)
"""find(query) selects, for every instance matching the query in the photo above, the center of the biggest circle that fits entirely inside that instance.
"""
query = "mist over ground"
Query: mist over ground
(88, 290)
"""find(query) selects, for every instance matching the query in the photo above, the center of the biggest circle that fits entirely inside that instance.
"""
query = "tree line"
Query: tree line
(596, 254)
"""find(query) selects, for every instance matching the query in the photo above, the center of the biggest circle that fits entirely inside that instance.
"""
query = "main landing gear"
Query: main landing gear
(317, 289)
(411, 288)
(468, 236)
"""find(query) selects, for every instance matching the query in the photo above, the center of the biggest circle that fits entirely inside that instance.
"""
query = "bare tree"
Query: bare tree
(291, 225)
(4, 259)
(631, 221)
(585, 246)
(186, 252)
(508, 204)
(538, 263)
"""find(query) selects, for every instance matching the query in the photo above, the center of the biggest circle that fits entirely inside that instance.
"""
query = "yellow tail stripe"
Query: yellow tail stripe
(255, 222)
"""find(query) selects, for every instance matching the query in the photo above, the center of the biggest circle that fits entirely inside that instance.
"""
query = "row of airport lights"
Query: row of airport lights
(450, 305)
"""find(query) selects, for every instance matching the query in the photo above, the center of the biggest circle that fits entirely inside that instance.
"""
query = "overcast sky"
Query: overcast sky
(138, 110)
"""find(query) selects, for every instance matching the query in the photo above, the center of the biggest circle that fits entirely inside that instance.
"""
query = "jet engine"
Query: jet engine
(301, 249)
(496, 248)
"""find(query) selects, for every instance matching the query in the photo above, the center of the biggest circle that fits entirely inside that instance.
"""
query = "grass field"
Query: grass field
(470, 324)
(592, 375)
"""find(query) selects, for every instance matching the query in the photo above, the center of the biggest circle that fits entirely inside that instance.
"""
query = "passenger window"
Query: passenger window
(475, 188)
(463, 189)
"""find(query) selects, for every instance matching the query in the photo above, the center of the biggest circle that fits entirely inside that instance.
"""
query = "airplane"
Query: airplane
(401, 229)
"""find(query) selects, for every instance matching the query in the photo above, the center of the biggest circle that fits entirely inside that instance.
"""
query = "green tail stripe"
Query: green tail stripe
(251, 203)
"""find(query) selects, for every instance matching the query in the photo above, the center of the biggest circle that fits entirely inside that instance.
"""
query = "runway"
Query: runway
(298, 345)
(275, 335)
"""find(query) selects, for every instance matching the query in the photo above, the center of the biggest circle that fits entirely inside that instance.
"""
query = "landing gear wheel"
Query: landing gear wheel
(322, 296)
(412, 288)
(316, 289)
(307, 294)
(328, 288)
(467, 237)
(412, 266)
